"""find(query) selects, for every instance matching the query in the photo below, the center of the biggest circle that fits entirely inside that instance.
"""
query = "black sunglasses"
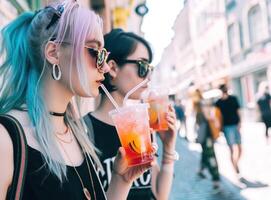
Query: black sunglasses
(144, 67)
(100, 55)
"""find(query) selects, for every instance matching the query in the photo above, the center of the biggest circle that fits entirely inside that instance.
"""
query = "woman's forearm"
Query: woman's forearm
(118, 188)
(164, 181)
(164, 175)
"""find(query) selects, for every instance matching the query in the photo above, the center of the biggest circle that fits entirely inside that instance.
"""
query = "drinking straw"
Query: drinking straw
(133, 90)
(110, 97)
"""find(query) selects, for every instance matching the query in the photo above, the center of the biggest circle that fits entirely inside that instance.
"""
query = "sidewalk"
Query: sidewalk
(187, 186)
(255, 166)
(255, 163)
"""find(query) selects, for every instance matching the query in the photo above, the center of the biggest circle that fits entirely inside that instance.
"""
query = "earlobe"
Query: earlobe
(113, 68)
(51, 53)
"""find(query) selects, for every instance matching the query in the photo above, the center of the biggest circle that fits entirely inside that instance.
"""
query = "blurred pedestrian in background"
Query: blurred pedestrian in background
(230, 110)
(180, 116)
(263, 102)
(204, 137)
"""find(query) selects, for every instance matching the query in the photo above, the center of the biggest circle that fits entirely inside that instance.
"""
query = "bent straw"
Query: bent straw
(110, 97)
(133, 90)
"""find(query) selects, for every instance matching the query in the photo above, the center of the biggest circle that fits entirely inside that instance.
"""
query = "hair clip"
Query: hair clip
(56, 16)
(60, 9)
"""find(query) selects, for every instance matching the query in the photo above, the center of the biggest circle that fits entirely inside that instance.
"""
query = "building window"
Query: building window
(234, 38)
(255, 24)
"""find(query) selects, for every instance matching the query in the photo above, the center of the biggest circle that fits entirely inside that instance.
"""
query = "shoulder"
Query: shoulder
(234, 98)
(29, 130)
(90, 119)
(230, 98)
(6, 145)
(6, 158)
(90, 122)
(217, 102)
(258, 100)
(99, 121)
(86, 118)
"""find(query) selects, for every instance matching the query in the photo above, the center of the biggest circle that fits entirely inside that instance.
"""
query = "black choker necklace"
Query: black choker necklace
(58, 114)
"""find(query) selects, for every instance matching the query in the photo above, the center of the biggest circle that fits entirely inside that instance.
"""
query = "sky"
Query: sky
(158, 22)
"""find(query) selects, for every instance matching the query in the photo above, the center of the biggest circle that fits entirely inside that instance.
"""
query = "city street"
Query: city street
(195, 55)
(255, 168)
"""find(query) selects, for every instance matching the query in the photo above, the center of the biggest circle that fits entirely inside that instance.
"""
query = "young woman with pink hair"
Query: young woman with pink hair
(49, 58)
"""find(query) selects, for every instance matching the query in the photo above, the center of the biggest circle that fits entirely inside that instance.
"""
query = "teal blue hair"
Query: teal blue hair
(15, 68)
(21, 81)
(22, 52)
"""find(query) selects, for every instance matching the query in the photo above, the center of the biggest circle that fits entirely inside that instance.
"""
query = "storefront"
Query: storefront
(246, 78)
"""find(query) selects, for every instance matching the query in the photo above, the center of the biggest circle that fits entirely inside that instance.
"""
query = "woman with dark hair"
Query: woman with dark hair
(129, 61)
(49, 57)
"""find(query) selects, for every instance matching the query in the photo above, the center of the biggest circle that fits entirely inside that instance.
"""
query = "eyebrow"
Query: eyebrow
(95, 42)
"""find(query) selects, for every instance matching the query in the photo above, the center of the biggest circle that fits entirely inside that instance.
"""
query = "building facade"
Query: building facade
(7, 12)
(118, 14)
(210, 43)
(199, 46)
(249, 39)
(178, 60)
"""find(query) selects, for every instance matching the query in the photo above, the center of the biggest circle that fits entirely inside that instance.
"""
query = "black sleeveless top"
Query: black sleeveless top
(107, 141)
(40, 184)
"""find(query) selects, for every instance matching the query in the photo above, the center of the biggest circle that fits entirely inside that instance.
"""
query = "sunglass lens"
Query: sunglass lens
(143, 69)
(101, 57)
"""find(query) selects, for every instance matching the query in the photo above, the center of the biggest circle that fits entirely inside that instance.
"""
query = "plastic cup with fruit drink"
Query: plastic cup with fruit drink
(159, 102)
(132, 124)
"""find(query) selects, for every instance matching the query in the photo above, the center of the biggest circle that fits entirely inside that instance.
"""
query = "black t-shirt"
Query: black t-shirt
(40, 184)
(229, 109)
(264, 104)
(107, 141)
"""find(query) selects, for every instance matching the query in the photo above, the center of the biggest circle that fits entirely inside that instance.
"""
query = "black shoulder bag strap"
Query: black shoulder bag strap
(17, 136)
